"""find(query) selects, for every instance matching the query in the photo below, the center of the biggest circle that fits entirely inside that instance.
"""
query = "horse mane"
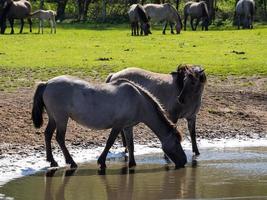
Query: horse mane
(142, 14)
(155, 102)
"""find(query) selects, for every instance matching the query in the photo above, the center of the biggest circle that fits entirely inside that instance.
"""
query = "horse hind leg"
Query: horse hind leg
(164, 28)
(30, 24)
(51, 127)
(60, 138)
(11, 22)
(192, 24)
(22, 25)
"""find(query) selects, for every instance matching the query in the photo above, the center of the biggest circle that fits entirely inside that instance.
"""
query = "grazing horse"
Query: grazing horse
(164, 12)
(42, 15)
(137, 15)
(180, 92)
(15, 10)
(115, 105)
(196, 10)
(244, 12)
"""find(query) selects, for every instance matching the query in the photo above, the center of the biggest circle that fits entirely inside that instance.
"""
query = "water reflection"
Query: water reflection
(48, 180)
(217, 174)
(125, 183)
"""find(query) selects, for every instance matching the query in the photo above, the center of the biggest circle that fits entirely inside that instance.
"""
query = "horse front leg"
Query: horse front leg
(171, 25)
(30, 23)
(197, 22)
(40, 24)
(164, 27)
(128, 133)
(185, 19)
(51, 127)
(111, 139)
(11, 22)
(192, 23)
(51, 25)
(191, 123)
(238, 22)
(60, 138)
(22, 25)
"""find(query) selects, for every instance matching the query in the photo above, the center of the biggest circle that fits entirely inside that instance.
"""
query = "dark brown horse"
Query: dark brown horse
(15, 10)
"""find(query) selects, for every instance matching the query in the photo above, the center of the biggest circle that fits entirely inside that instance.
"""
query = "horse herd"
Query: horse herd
(21, 10)
(127, 98)
(140, 15)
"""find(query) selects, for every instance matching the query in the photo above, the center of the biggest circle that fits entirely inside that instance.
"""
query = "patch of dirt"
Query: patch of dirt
(231, 107)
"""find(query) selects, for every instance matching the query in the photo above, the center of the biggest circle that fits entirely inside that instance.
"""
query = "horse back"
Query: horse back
(94, 106)
(20, 9)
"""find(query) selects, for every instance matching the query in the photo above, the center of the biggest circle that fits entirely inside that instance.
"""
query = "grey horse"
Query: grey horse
(179, 92)
(198, 11)
(164, 12)
(137, 15)
(244, 12)
(15, 10)
(115, 105)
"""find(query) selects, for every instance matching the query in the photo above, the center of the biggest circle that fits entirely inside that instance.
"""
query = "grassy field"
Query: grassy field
(87, 50)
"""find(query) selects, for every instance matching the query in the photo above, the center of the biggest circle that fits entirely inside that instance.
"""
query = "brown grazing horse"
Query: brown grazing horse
(15, 10)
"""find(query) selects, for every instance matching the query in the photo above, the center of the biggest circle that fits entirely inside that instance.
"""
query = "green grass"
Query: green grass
(93, 51)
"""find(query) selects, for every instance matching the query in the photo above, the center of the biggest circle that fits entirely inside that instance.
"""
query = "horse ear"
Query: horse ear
(202, 76)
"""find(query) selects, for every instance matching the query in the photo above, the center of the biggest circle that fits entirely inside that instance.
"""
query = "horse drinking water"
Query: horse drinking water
(115, 105)
(180, 92)
(15, 10)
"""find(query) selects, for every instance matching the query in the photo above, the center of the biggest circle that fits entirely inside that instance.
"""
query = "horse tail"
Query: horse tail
(205, 9)
(38, 105)
(142, 13)
(109, 78)
(251, 9)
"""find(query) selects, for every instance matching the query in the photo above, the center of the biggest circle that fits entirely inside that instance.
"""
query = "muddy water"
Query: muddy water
(233, 173)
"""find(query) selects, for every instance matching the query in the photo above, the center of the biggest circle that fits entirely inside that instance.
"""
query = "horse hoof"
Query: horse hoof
(54, 164)
(132, 164)
(73, 165)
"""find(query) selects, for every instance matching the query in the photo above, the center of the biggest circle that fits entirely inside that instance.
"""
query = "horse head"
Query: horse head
(193, 82)
(171, 146)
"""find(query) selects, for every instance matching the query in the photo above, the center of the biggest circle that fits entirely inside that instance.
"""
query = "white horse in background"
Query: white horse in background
(48, 15)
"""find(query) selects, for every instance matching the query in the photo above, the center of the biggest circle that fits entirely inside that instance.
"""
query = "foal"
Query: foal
(42, 15)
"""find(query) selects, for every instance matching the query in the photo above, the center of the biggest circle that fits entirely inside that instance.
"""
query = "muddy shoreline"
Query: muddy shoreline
(232, 108)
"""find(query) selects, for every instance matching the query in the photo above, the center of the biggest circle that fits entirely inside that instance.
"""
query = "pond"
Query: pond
(229, 173)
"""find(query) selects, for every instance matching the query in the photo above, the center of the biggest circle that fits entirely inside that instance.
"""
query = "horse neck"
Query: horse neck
(155, 121)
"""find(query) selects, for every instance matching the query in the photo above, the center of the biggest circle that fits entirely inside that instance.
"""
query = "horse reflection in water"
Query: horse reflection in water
(123, 183)
(60, 194)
